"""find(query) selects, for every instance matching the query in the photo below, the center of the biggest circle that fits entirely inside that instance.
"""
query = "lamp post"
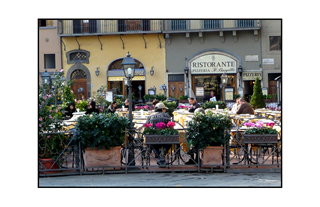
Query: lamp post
(186, 71)
(126, 86)
(45, 80)
(140, 88)
(152, 71)
(164, 87)
(128, 65)
(224, 79)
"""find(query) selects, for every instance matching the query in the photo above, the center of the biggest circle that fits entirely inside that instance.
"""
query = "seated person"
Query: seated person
(92, 108)
(69, 110)
(194, 105)
(126, 103)
(245, 107)
(154, 103)
(235, 106)
(159, 116)
(112, 108)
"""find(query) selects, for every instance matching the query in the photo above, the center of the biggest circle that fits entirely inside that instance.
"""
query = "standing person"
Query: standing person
(245, 107)
(194, 104)
(212, 97)
(69, 110)
(235, 106)
(92, 108)
(112, 108)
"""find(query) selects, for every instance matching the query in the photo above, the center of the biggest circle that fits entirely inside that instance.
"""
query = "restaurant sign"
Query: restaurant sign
(251, 76)
(213, 63)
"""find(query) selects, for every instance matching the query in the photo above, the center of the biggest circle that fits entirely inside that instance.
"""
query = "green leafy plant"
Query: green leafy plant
(160, 97)
(82, 105)
(210, 104)
(183, 97)
(171, 106)
(146, 97)
(208, 130)
(101, 130)
(257, 99)
(235, 96)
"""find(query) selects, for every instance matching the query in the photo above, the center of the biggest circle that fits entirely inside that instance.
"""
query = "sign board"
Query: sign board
(268, 61)
(109, 96)
(228, 91)
(213, 64)
(264, 91)
(151, 92)
(251, 58)
(199, 91)
(251, 76)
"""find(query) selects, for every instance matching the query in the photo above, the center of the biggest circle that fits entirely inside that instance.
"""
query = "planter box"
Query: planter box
(212, 155)
(183, 101)
(102, 158)
(162, 139)
(260, 138)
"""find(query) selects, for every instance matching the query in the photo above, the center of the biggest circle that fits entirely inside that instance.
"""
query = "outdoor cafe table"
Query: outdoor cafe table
(181, 116)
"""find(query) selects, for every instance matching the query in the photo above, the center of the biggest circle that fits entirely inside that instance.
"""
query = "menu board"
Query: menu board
(109, 96)
(200, 91)
(228, 91)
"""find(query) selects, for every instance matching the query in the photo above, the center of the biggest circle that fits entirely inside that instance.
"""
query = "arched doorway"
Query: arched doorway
(80, 75)
(115, 78)
(79, 85)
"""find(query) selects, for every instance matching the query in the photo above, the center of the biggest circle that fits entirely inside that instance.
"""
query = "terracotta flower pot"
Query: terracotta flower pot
(212, 155)
(102, 157)
(47, 163)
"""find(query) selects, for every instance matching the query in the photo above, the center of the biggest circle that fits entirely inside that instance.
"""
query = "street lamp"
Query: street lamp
(224, 80)
(152, 71)
(128, 65)
(140, 88)
(164, 87)
(45, 80)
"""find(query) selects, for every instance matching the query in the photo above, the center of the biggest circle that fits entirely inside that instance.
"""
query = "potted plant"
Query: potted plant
(101, 137)
(146, 97)
(183, 99)
(208, 132)
(211, 105)
(267, 98)
(161, 132)
(260, 133)
(257, 100)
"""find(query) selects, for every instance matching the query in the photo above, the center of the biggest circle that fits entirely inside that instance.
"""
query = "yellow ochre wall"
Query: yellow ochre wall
(112, 49)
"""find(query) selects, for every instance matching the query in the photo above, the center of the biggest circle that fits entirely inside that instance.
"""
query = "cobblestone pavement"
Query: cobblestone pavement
(166, 180)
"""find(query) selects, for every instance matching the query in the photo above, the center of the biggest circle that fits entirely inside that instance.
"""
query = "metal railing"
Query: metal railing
(102, 27)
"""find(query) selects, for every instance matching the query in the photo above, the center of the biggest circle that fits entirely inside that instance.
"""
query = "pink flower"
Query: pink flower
(136, 107)
(259, 124)
(75, 100)
(161, 125)
(78, 102)
(45, 97)
(40, 125)
(61, 70)
(50, 116)
(147, 125)
(146, 107)
(40, 119)
(171, 124)
(49, 96)
(249, 124)
(48, 136)
(56, 110)
(271, 124)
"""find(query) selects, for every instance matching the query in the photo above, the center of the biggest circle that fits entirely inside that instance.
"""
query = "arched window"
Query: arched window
(78, 74)
(116, 65)
(81, 56)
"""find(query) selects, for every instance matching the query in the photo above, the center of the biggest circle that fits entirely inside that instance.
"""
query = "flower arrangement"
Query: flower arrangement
(259, 128)
(184, 107)
(160, 129)
(144, 108)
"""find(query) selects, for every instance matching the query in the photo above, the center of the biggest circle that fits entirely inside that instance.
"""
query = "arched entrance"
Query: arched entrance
(115, 78)
(79, 85)
(81, 78)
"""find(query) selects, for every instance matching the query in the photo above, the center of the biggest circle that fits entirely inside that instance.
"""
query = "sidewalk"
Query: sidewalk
(166, 180)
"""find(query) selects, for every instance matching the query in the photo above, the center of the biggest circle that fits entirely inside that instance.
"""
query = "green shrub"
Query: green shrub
(210, 105)
(101, 130)
(257, 99)
(208, 130)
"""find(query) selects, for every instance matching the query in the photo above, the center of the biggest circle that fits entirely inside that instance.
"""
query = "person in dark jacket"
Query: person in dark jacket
(194, 105)
(112, 108)
(69, 110)
(245, 107)
(92, 108)
(126, 103)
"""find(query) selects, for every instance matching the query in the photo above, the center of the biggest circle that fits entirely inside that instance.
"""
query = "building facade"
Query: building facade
(188, 56)
(100, 45)
(49, 47)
